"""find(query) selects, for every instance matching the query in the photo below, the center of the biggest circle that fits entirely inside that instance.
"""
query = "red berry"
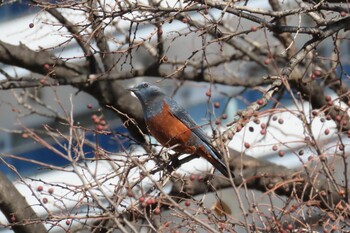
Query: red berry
(100, 127)
(94, 117)
(217, 105)
(13, 218)
(326, 132)
(184, 20)
(341, 147)
(263, 131)
(89, 106)
(130, 193)
(51, 190)
(67, 222)
(254, 28)
(208, 93)
(267, 61)
(263, 125)
(156, 211)
(317, 72)
(42, 81)
(47, 67)
(328, 98)
(224, 116)
(40, 188)
(260, 102)
(167, 224)
(338, 118)
(142, 199)
(343, 13)
(341, 192)
(246, 145)
(274, 147)
(31, 25)
(192, 177)
(187, 203)
(322, 157)
(151, 201)
(281, 153)
(281, 121)
(45, 200)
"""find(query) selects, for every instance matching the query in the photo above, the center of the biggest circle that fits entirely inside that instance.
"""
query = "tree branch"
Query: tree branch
(17, 211)
(266, 177)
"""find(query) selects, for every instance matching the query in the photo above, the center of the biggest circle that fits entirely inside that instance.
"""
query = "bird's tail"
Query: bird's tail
(215, 158)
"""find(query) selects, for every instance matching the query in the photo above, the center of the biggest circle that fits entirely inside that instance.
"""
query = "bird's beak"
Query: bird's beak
(132, 89)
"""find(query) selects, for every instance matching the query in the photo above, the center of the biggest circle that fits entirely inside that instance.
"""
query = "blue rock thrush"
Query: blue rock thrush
(173, 127)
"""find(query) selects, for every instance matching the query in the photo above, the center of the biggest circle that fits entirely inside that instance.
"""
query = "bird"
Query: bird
(173, 127)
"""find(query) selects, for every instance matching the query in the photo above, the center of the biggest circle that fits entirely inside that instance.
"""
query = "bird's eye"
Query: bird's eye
(145, 85)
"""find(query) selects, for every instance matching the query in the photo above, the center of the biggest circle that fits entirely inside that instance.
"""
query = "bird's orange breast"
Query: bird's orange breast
(170, 131)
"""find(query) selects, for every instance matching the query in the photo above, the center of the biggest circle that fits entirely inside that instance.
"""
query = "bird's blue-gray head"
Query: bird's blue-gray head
(149, 95)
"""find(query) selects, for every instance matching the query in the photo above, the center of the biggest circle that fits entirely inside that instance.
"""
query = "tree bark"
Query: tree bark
(16, 209)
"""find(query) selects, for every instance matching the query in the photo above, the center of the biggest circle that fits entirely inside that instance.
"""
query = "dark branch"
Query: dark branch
(16, 209)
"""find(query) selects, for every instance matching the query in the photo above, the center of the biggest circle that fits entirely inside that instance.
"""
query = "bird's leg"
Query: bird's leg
(188, 158)
(172, 162)
(163, 159)
(176, 162)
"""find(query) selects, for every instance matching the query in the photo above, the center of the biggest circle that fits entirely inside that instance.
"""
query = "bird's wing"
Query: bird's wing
(181, 114)
(215, 157)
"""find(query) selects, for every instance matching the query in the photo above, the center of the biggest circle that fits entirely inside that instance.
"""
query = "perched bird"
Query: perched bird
(172, 126)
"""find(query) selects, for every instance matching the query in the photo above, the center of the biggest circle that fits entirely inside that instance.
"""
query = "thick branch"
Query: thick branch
(17, 211)
(93, 64)
(285, 38)
(107, 92)
(39, 62)
(265, 177)
(100, 37)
